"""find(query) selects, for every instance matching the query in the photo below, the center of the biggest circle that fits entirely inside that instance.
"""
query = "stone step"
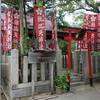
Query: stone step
(76, 78)
(74, 74)
(77, 83)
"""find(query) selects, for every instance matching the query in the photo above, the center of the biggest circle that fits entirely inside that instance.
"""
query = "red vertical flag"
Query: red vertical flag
(85, 26)
(98, 33)
(39, 24)
(16, 27)
(11, 30)
(2, 24)
(54, 32)
(90, 22)
(8, 25)
(92, 36)
(86, 21)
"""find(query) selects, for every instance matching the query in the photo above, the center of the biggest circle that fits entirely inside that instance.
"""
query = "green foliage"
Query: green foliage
(96, 5)
(60, 19)
(70, 6)
(73, 45)
(61, 80)
(12, 3)
(20, 80)
(46, 3)
(26, 44)
(78, 19)
(63, 44)
(4, 7)
(95, 52)
(39, 4)
(73, 5)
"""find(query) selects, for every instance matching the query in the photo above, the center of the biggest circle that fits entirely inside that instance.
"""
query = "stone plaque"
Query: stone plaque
(39, 56)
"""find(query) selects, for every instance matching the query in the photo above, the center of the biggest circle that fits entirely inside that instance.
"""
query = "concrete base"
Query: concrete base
(87, 80)
(19, 93)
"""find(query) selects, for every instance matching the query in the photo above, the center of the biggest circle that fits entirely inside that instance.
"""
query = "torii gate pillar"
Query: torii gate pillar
(69, 60)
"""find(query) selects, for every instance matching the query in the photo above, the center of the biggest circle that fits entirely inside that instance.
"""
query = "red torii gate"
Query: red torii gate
(81, 32)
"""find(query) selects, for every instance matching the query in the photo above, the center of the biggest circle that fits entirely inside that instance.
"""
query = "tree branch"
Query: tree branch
(86, 1)
(72, 10)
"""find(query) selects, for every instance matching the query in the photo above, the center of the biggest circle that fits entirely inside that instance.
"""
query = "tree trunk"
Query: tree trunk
(21, 27)
(21, 38)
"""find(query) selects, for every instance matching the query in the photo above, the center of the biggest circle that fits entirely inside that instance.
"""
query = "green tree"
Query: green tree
(77, 8)
(63, 44)
(12, 3)
(78, 19)
(73, 5)
(60, 19)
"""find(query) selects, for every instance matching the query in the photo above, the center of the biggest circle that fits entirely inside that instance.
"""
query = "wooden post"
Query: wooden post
(14, 67)
(25, 69)
(51, 77)
(21, 26)
(33, 78)
(35, 72)
(76, 61)
(85, 69)
(59, 62)
(96, 64)
(4, 66)
(42, 71)
(38, 58)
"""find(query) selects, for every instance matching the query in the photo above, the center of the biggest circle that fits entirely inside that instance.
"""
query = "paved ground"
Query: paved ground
(83, 92)
(3, 97)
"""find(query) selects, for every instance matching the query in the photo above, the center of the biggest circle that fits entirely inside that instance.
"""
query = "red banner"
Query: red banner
(39, 26)
(2, 24)
(11, 28)
(86, 21)
(54, 32)
(8, 23)
(98, 35)
(83, 43)
(92, 36)
(16, 29)
(90, 22)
